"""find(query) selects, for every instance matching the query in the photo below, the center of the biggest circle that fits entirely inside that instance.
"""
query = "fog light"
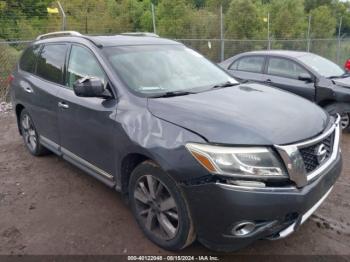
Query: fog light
(243, 229)
(246, 183)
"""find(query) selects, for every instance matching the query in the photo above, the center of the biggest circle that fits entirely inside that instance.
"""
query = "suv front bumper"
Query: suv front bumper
(216, 208)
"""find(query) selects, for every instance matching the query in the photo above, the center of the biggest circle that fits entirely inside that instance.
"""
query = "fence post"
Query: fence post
(63, 16)
(339, 39)
(308, 34)
(222, 56)
(268, 32)
(154, 19)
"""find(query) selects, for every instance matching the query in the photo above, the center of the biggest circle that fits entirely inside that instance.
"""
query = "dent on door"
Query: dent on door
(161, 141)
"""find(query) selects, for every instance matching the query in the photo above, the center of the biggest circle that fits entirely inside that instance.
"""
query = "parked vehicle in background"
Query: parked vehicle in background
(308, 75)
(347, 65)
(197, 155)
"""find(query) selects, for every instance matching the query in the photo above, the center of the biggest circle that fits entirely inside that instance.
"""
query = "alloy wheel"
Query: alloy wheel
(156, 207)
(29, 133)
(344, 120)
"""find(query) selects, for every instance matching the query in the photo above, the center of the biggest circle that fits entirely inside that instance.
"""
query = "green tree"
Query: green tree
(137, 14)
(323, 24)
(199, 3)
(288, 19)
(15, 13)
(341, 9)
(215, 4)
(174, 18)
(313, 4)
(244, 19)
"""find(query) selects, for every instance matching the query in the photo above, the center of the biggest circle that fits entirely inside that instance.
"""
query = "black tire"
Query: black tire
(30, 135)
(158, 229)
(343, 110)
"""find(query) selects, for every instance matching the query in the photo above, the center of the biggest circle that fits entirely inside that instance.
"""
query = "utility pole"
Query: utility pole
(339, 39)
(154, 19)
(308, 34)
(222, 56)
(63, 16)
(268, 32)
(86, 17)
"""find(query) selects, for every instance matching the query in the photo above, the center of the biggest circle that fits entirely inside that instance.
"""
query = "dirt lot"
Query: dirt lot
(47, 206)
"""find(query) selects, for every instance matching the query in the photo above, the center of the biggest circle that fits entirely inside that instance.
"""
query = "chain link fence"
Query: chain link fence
(10, 51)
(212, 48)
(208, 29)
(333, 49)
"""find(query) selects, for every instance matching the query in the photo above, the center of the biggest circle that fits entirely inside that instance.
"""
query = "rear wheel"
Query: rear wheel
(30, 135)
(159, 207)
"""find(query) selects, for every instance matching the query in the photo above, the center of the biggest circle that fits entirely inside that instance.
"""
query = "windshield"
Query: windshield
(159, 69)
(322, 66)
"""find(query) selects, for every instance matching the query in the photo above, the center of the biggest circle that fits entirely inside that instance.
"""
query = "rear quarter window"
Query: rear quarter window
(234, 65)
(28, 60)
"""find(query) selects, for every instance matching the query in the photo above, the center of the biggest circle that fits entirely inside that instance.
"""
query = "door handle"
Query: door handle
(63, 105)
(268, 81)
(28, 90)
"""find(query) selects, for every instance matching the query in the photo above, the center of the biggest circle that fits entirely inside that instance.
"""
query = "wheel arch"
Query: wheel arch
(326, 102)
(334, 106)
(128, 164)
(18, 109)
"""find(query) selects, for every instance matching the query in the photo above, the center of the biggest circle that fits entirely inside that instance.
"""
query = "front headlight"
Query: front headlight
(238, 161)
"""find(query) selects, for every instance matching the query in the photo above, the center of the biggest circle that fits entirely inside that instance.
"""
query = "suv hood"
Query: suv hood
(248, 114)
(345, 82)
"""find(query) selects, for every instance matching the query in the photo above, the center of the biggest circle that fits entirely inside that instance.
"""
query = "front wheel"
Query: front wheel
(343, 110)
(159, 207)
(345, 121)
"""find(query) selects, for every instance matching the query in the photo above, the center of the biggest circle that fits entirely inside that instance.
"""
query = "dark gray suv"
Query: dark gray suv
(196, 154)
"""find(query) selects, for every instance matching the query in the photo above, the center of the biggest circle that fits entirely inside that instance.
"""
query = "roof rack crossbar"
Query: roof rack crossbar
(58, 33)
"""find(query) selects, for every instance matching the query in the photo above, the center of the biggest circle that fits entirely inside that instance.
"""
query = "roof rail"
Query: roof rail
(140, 34)
(57, 34)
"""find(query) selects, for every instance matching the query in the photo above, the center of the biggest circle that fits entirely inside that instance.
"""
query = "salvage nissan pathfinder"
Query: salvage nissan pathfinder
(197, 155)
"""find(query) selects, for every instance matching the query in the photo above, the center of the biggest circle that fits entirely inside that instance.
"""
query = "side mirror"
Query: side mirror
(90, 87)
(305, 77)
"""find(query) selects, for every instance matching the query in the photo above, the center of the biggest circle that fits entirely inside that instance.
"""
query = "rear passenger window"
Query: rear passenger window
(51, 62)
(251, 64)
(28, 59)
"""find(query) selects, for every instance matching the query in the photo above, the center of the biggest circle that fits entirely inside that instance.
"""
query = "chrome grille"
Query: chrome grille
(305, 161)
(309, 153)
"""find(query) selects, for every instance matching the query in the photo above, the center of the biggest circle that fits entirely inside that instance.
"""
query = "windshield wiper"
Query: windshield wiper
(173, 93)
(223, 85)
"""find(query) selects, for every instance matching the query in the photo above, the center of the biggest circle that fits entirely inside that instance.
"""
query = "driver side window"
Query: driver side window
(82, 63)
(285, 68)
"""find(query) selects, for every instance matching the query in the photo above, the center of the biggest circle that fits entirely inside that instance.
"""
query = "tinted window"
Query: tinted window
(83, 63)
(285, 68)
(28, 58)
(251, 64)
(51, 62)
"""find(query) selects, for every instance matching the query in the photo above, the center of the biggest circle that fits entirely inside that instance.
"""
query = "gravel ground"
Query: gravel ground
(49, 207)
(5, 107)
